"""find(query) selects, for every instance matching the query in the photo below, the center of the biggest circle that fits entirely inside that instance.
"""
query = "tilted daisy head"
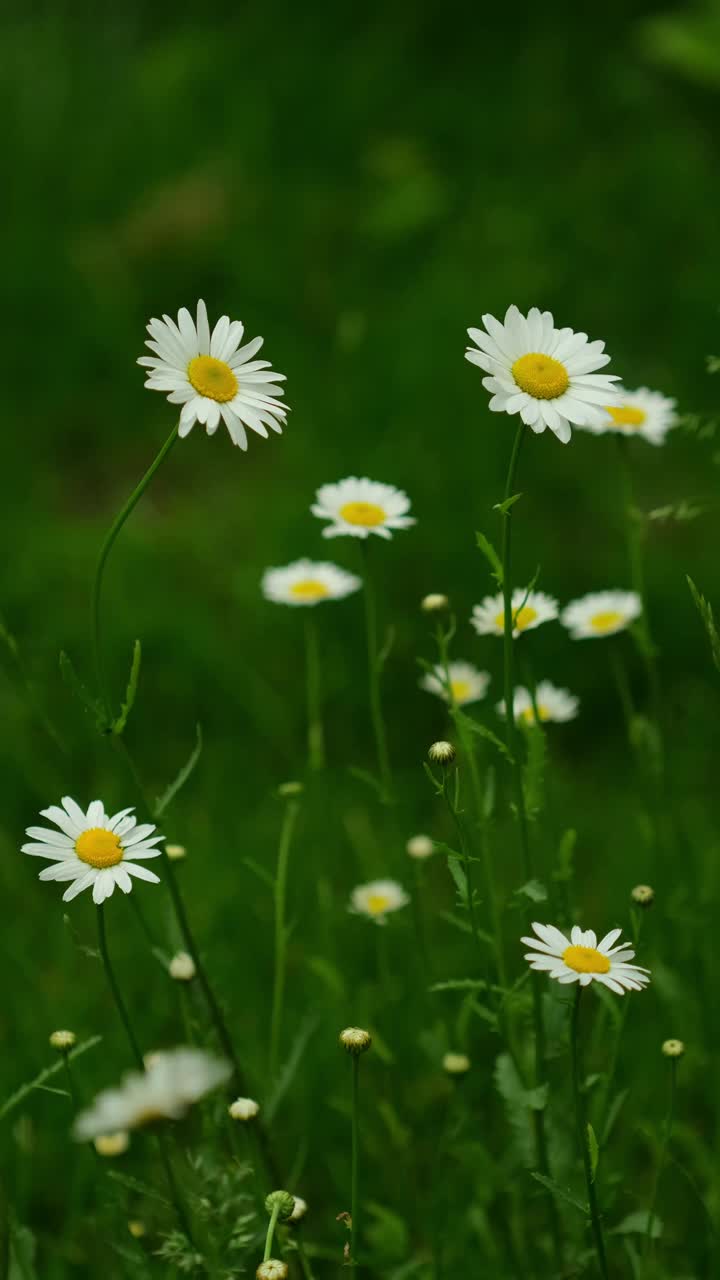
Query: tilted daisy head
(359, 507)
(643, 413)
(529, 610)
(212, 376)
(581, 958)
(467, 684)
(174, 1080)
(93, 850)
(377, 899)
(601, 613)
(547, 375)
(553, 704)
(308, 582)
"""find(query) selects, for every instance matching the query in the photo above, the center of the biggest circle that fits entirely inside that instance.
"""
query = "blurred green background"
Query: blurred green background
(359, 188)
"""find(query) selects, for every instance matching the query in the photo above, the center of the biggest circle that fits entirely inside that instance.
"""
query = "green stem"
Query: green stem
(354, 1178)
(286, 834)
(271, 1232)
(582, 1131)
(606, 1098)
(105, 550)
(376, 711)
(304, 1260)
(315, 731)
(453, 809)
(667, 1131)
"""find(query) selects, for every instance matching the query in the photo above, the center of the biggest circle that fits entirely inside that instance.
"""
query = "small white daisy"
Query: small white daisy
(92, 849)
(378, 898)
(581, 958)
(308, 582)
(553, 704)
(601, 613)
(170, 1084)
(529, 609)
(359, 507)
(547, 375)
(644, 413)
(467, 684)
(212, 376)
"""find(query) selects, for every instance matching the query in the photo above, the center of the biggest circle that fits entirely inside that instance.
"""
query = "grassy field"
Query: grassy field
(358, 189)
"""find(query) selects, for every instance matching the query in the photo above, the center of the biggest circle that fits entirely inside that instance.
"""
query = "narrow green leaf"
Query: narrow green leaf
(363, 775)
(561, 1193)
(474, 726)
(534, 890)
(289, 1068)
(261, 872)
(491, 556)
(593, 1150)
(614, 1111)
(638, 1222)
(75, 684)
(131, 691)
(135, 1184)
(25, 1089)
(564, 866)
(458, 875)
(460, 984)
(705, 610)
(504, 507)
(387, 648)
(178, 783)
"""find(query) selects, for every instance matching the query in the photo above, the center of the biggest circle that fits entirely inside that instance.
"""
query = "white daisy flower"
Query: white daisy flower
(643, 413)
(377, 898)
(601, 613)
(174, 1080)
(553, 704)
(92, 849)
(467, 684)
(359, 507)
(308, 582)
(212, 376)
(547, 375)
(581, 958)
(529, 609)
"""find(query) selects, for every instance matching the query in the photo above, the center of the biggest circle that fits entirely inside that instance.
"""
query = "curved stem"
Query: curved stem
(271, 1232)
(286, 834)
(582, 1131)
(667, 1131)
(315, 731)
(105, 550)
(376, 711)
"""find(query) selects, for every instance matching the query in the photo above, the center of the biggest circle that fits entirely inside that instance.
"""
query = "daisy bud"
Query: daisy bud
(419, 847)
(137, 1229)
(355, 1040)
(182, 967)
(112, 1144)
(434, 603)
(243, 1109)
(63, 1040)
(289, 789)
(642, 895)
(442, 753)
(283, 1202)
(299, 1209)
(273, 1269)
(673, 1048)
(456, 1064)
(176, 852)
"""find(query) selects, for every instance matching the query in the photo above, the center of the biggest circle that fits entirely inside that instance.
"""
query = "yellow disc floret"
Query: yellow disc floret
(541, 376)
(460, 690)
(626, 415)
(366, 513)
(606, 621)
(212, 378)
(521, 619)
(377, 903)
(99, 848)
(586, 960)
(309, 589)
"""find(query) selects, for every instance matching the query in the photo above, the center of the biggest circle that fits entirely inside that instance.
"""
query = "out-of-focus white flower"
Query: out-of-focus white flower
(358, 507)
(170, 1084)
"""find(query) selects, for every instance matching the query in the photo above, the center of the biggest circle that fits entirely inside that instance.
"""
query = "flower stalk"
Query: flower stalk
(376, 660)
(292, 808)
(583, 1136)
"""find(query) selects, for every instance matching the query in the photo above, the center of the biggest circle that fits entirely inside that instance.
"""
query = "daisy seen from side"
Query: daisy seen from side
(601, 613)
(529, 610)
(467, 683)
(553, 704)
(308, 582)
(646, 414)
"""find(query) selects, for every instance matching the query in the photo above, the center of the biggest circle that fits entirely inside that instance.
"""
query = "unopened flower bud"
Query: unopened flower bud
(289, 789)
(281, 1201)
(419, 847)
(355, 1040)
(673, 1048)
(182, 967)
(434, 603)
(112, 1144)
(137, 1228)
(442, 753)
(176, 852)
(299, 1209)
(63, 1040)
(243, 1109)
(642, 895)
(273, 1269)
(456, 1064)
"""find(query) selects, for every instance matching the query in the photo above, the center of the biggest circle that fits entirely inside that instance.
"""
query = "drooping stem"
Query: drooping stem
(271, 1230)
(583, 1136)
(286, 834)
(667, 1132)
(374, 676)
(105, 550)
(355, 1161)
(315, 730)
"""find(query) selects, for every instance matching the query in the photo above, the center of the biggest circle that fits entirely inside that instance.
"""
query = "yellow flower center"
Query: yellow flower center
(586, 960)
(625, 415)
(99, 848)
(605, 621)
(522, 618)
(366, 513)
(460, 689)
(541, 376)
(377, 903)
(212, 378)
(309, 589)
(528, 715)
